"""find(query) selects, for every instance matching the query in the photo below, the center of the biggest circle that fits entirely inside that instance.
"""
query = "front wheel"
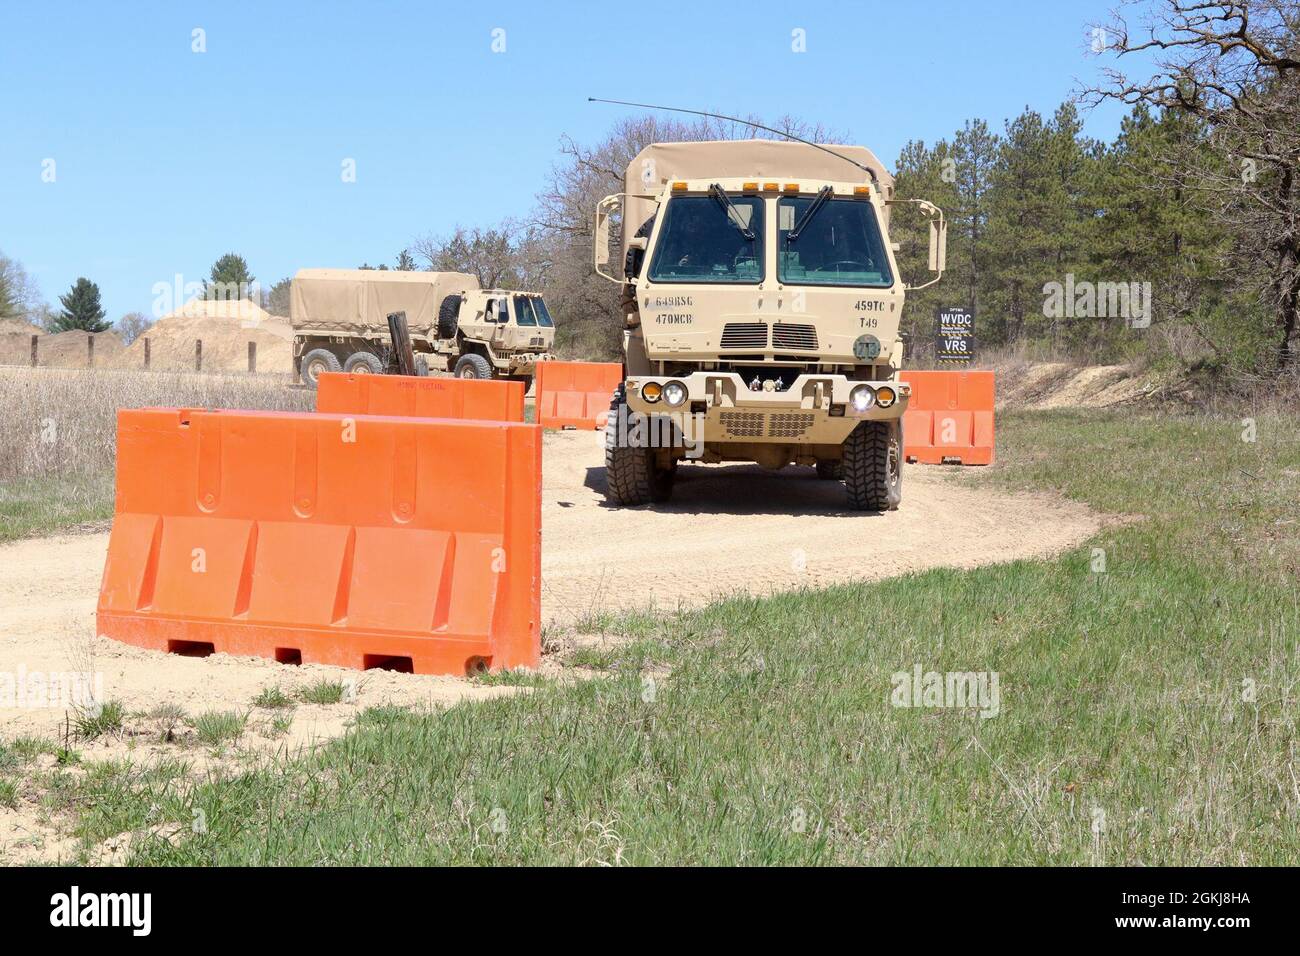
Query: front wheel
(473, 366)
(632, 473)
(873, 466)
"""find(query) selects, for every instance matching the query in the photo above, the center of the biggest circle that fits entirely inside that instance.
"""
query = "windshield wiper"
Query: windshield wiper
(819, 200)
(733, 214)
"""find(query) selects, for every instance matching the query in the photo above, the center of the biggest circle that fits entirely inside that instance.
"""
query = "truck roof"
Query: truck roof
(385, 275)
(660, 163)
(757, 158)
(357, 301)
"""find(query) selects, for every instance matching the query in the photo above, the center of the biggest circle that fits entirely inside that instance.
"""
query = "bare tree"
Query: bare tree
(495, 255)
(591, 318)
(1236, 68)
(133, 325)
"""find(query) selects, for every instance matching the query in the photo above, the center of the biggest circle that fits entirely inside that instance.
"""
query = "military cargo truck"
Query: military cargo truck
(762, 303)
(340, 323)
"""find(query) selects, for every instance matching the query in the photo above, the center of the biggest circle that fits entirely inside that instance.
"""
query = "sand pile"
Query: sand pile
(18, 326)
(1061, 385)
(63, 350)
(225, 328)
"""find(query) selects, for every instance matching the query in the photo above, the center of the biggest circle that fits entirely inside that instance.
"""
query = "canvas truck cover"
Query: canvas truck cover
(357, 301)
(660, 163)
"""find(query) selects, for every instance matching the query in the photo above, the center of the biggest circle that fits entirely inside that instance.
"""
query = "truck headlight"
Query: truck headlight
(862, 398)
(651, 392)
(674, 393)
(884, 396)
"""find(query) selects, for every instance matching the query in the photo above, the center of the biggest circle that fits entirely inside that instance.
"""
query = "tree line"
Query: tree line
(1178, 241)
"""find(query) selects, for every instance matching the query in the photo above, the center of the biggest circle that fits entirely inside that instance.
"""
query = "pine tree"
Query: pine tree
(924, 173)
(229, 279)
(1025, 211)
(81, 309)
(975, 151)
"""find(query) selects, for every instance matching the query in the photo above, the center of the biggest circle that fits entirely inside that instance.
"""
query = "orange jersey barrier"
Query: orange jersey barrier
(949, 417)
(575, 394)
(404, 543)
(486, 399)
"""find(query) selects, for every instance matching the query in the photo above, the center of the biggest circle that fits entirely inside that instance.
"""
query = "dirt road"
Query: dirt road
(739, 528)
(728, 529)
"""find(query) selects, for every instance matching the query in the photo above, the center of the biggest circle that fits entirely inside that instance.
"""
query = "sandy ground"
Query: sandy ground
(740, 529)
(729, 529)
(1058, 385)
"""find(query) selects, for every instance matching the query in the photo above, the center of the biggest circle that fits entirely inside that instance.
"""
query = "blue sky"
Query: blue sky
(166, 158)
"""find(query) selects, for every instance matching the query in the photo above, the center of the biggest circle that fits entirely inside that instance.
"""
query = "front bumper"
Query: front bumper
(825, 394)
(527, 360)
(815, 409)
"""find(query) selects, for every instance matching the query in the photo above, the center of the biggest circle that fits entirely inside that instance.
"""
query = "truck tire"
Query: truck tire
(631, 475)
(473, 366)
(449, 317)
(831, 470)
(364, 363)
(317, 361)
(873, 466)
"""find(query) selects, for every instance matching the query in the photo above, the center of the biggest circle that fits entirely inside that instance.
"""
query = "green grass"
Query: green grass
(97, 721)
(33, 506)
(322, 692)
(272, 698)
(217, 727)
(280, 724)
(1148, 713)
(8, 794)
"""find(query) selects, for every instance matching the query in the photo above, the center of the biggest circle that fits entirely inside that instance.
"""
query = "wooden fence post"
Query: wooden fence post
(35, 339)
(198, 355)
(90, 350)
(146, 353)
(252, 358)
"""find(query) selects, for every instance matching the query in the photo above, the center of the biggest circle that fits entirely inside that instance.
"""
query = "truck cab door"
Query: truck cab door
(498, 313)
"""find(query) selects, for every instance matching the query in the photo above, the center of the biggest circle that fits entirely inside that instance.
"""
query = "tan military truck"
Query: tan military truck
(762, 303)
(340, 323)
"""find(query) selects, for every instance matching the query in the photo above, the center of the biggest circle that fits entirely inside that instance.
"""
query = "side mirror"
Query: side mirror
(605, 210)
(938, 244)
(938, 238)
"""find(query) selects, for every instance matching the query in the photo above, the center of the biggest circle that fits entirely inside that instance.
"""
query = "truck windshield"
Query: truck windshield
(839, 245)
(543, 314)
(530, 310)
(699, 241)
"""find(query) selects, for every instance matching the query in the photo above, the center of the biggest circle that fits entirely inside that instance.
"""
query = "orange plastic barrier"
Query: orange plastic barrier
(493, 400)
(949, 418)
(403, 543)
(575, 394)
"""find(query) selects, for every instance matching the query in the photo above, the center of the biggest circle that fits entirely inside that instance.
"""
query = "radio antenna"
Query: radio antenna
(744, 122)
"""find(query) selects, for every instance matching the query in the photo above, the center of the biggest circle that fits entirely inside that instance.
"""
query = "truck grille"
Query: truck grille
(788, 425)
(743, 424)
(788, 336)
(761, 424)
(744, 335)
